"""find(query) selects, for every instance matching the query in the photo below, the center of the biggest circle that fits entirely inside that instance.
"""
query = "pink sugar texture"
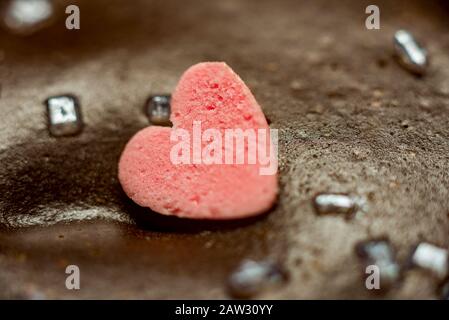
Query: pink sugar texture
(212, 93)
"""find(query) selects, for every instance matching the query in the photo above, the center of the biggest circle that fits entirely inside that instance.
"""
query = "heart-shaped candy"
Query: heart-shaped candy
(191, 170)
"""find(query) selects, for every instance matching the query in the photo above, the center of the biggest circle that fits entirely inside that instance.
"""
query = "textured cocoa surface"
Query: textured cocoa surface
(350, 120)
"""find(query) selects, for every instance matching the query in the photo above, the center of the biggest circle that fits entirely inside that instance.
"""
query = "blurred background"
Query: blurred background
(350, 120)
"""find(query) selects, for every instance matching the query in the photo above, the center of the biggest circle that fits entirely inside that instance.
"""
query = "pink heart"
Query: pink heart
(212, 95)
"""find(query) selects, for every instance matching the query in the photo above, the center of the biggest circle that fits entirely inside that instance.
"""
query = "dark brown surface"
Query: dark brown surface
(350, 120)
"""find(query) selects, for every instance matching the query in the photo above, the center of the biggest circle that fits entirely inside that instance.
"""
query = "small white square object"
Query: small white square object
(431, 257)
(64, 115)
